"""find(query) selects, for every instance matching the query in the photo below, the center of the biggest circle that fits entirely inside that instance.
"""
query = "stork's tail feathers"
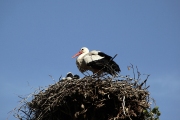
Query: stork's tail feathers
(112, 68)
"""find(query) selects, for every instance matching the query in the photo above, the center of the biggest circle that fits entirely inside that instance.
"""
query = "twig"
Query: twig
(123, 105)
(52, 78)
(133, 71)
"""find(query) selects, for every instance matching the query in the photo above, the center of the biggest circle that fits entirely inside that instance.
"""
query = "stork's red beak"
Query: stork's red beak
(77, 54)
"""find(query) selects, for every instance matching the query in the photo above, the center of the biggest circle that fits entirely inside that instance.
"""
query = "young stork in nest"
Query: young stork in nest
(96, 61)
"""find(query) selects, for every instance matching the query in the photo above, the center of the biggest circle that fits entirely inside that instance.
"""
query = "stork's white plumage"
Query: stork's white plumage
(95, 61)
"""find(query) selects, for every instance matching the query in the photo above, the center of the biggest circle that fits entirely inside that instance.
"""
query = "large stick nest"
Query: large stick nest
(89, 98)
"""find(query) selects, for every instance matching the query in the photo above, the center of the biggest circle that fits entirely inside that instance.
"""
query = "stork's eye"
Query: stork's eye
(82, 49)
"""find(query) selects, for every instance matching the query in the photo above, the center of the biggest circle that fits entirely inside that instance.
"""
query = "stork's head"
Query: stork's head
(82, 50)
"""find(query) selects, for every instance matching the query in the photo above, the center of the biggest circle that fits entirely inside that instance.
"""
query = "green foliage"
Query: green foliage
(152, 114)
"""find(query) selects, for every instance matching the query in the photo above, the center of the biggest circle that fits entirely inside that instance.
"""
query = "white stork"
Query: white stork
(96, 61)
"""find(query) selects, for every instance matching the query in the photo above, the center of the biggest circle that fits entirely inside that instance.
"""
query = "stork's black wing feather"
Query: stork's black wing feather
(106, 64)
(104, 55)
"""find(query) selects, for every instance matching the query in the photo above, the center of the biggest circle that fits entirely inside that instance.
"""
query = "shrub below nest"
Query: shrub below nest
(89, 98)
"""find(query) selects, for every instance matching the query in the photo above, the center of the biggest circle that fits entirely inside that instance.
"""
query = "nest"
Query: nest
(89, 98)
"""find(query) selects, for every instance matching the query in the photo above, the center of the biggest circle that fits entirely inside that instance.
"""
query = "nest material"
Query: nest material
(90, 98)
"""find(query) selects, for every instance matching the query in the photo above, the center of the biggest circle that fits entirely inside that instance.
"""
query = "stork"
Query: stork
(96, 61)
(70, 76)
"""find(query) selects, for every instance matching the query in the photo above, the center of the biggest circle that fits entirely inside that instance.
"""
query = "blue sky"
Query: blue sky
(38, 39)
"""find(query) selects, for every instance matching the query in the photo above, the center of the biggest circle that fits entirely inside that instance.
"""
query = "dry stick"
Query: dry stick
(133, 71)
(52, 78)
(123, 105)
(23, 99)
(142, 83)
(60, 77)
(139, 74)
(85, 74)
(25, 113)
(147, 79)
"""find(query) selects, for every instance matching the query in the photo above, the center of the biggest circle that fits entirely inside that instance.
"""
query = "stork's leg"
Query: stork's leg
(97, 74)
